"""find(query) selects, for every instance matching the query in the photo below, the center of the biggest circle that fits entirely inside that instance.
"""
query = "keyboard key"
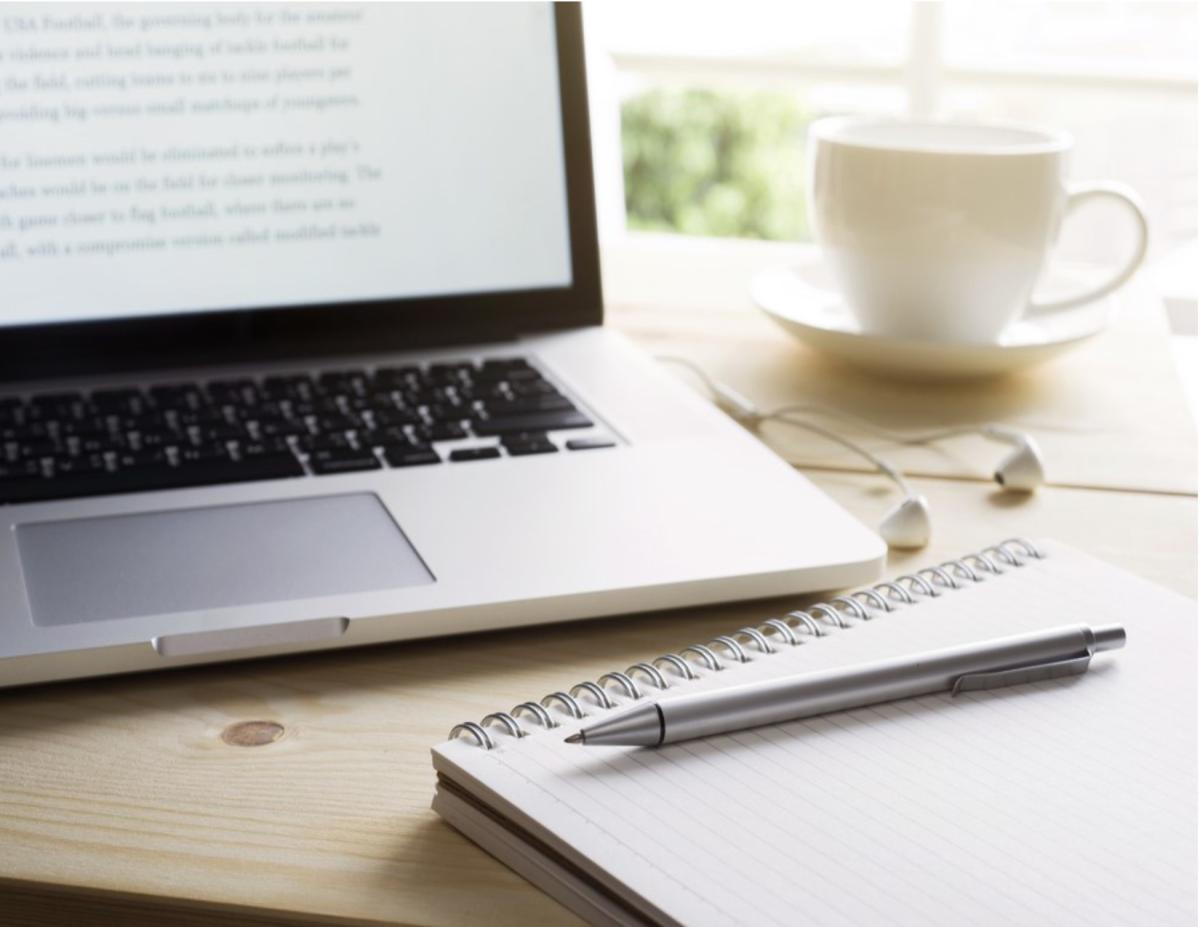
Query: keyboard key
(147, 465)
(474, 453)
(442, 374)
(440, 431)
(233, 392)
(380, 437)
(343, 383)
(395, 416)
(522, 437)
(502, 368)
(36, 447)
(498, 408)
(449, 397)
(148, 421)
(531, 388)
(95, 444)
(89, 427)
(525, 448)
(376, 399)
(264, 447)
(537, 421)
(527, 442)
(390, 378)
(119, 401)
(282, 428)
(589, 444)
(269, 410)
(157, 438)
(524, 376)
(82, 465)
(408, 455)
(337, 421)
(221, 432)
(291, 386)
(331, 442)
(200, 418)
(19, 470)
(322, 405)
(203, 454)
(447, 412)
(266, 467)
(177, 396)
(343, 461)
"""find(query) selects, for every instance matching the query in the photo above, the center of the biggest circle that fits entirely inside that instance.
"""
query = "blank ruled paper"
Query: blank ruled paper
(1071, 801)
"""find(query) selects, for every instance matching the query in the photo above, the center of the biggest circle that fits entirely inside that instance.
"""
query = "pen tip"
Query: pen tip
(575, 739)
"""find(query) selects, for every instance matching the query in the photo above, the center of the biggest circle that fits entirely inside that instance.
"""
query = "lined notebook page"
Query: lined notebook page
(1070, 801)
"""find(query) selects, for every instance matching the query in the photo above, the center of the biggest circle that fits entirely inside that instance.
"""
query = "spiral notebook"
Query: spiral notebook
(1066, 801)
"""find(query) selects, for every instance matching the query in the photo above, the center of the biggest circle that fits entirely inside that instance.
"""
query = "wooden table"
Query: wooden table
(159, 799)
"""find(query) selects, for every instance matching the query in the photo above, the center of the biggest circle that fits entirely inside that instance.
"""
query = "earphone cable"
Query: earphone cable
(747, 413)
(882, 465)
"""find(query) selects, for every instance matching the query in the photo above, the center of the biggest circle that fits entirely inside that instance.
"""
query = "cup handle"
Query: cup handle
(1081, 193)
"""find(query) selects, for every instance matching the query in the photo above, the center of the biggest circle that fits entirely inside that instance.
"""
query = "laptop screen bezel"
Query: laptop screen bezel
(280, 332)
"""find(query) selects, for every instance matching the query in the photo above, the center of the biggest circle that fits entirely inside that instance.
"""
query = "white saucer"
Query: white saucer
(802, 300)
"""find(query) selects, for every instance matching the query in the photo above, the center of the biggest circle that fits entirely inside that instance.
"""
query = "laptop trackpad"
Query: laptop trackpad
(123, 566)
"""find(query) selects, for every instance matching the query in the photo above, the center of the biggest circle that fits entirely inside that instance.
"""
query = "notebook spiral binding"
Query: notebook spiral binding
(793, 629)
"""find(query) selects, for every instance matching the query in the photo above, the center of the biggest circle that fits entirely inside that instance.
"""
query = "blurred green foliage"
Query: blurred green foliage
(705, 162)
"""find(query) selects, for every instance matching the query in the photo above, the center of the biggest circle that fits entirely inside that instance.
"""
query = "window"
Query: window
(701, 109)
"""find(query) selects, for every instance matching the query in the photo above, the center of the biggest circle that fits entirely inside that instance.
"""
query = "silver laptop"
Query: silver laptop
(301, 348)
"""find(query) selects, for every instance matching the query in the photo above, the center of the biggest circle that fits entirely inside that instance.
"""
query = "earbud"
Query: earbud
(1022, 468)
(907, 526)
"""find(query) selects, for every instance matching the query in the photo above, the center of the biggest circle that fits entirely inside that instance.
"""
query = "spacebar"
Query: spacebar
(275, 466)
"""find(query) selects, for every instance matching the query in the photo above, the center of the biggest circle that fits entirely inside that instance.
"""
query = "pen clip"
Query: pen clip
(1015, 675)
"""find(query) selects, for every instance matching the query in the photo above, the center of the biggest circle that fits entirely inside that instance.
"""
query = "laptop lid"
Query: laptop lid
(215, 182)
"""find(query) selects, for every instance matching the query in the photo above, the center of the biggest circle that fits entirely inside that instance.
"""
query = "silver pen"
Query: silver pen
(1004, 661)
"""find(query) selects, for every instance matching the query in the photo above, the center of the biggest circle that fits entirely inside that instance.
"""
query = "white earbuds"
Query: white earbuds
(1022, 468)
(908, 525)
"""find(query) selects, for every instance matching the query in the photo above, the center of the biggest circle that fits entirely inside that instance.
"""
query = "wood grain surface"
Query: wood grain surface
(296, 791)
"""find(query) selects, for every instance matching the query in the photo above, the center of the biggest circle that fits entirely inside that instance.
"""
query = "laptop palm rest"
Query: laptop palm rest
(153, 563)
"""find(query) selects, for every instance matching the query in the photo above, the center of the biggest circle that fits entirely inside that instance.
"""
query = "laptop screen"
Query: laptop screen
(169, 158)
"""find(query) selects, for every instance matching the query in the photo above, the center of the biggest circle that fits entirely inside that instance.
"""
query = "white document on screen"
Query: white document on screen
(188, 157)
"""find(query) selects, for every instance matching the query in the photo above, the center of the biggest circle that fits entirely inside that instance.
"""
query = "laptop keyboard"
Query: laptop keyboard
(70, 444)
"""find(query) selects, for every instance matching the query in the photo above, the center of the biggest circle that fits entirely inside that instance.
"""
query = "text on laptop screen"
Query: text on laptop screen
(166, 158)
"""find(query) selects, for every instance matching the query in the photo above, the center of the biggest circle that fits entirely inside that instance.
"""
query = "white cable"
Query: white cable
(729, 400)
(883, 466)
(746, 412)
(871, 428)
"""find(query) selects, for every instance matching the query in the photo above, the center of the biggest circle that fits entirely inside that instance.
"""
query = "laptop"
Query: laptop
(301, 348)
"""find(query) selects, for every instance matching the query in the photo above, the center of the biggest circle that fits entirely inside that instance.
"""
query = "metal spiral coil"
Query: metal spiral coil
(736, 651)
(682, 666)
(792, 630)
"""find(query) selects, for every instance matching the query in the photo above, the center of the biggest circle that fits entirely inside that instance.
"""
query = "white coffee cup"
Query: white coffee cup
(938, 231)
